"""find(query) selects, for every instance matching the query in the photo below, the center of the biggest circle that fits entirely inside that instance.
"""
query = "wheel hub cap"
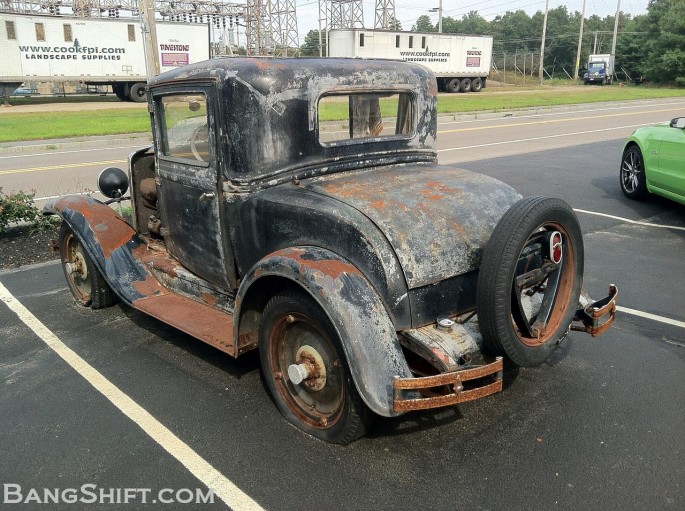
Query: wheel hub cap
(309, 369)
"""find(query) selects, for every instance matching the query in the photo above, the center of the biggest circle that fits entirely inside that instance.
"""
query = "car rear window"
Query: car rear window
(345, 118)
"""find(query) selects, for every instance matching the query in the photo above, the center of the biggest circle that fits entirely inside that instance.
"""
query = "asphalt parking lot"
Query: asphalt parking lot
(600, 426)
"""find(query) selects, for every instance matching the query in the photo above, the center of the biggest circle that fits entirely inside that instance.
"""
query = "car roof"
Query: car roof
(270, 74)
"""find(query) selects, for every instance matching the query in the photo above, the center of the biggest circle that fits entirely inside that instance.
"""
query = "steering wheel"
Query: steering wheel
(195, 138)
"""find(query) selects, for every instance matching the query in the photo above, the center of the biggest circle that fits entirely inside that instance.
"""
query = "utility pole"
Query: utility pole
(542, 45)
(440, 17)
(580, 42)
(147, 9)
(438, 9)
(618, 12)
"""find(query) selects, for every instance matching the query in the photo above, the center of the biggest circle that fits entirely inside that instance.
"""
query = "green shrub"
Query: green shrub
(18, 207)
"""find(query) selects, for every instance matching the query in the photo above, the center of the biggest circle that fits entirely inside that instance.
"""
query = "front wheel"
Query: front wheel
(633, 180)
(85, 282)
(529, 280)
(306, 370)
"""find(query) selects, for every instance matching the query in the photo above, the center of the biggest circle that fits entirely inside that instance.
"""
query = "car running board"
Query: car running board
(206, 323)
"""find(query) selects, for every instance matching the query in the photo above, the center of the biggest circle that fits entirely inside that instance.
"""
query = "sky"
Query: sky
(408, 10)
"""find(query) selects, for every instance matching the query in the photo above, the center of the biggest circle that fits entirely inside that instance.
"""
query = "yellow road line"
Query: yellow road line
(58, 167)
(552, 121)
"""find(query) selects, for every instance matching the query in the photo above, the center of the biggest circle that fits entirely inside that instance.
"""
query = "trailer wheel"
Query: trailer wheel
(453, 85)
(120, 91)
(83, 277)
(465, 85)
(529, 280)
(138, 92)
(306, 370)
(476, 85)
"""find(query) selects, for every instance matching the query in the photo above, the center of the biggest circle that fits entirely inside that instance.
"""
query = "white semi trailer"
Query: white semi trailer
(92, 51)
(460, 62)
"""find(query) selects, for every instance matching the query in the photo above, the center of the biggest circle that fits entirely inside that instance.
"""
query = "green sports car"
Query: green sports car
(654, 161)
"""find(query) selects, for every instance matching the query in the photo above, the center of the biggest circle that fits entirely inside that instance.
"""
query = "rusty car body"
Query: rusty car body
(372, 280)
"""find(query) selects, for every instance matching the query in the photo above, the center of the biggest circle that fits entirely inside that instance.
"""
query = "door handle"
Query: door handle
(206, 196)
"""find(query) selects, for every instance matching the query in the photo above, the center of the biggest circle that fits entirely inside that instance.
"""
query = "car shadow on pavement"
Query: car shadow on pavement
(247, 363)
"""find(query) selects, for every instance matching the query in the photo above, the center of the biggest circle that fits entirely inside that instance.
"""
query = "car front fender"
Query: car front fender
(111, 243)
(364, 328)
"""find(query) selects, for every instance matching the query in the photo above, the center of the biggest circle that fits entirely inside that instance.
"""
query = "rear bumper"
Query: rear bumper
(596, 317)
(453, 380)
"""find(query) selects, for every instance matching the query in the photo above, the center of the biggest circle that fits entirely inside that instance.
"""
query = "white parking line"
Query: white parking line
(531, 139)
(653, 317)
(627, 220)
(196, 465)
(50, 197)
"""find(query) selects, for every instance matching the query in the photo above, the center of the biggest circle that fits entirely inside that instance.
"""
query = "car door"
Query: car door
(188, 175)
(672, 160)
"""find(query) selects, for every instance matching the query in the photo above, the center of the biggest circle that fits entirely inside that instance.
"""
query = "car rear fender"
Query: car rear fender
(356, 312)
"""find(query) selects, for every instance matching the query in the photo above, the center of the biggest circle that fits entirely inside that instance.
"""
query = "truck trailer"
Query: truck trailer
(92, 51)
(461, 63)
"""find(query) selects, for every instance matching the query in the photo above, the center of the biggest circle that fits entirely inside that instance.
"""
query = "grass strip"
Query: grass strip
(49, 125)
(511, 100)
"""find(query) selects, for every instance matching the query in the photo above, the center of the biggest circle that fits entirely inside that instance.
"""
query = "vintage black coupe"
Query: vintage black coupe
(295, 206)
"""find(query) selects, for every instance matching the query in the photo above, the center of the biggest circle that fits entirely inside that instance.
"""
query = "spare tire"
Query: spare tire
(529, 280)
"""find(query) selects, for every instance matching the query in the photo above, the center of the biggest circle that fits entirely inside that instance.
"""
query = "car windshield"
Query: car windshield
(596, 66)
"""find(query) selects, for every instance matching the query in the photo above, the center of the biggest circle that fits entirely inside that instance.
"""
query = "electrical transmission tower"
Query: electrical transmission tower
(385, 15)
(283, 26)
(270, 25)
(197, 11)
(346, 14)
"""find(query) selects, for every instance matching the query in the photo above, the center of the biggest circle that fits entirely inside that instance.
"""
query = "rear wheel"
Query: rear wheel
(465, 85)
(529, 280)
(83, 277)
(138, 92)
(121, 91)
(476, 85)
(306, 370)
(633, 180)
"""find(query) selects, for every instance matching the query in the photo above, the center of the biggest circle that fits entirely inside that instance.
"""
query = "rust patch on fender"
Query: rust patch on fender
(330, 267)
(109, 229)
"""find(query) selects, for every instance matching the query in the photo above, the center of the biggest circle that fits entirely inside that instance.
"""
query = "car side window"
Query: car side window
(185, 127)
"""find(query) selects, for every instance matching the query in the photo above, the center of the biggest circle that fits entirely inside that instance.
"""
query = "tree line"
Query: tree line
(649, 46)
